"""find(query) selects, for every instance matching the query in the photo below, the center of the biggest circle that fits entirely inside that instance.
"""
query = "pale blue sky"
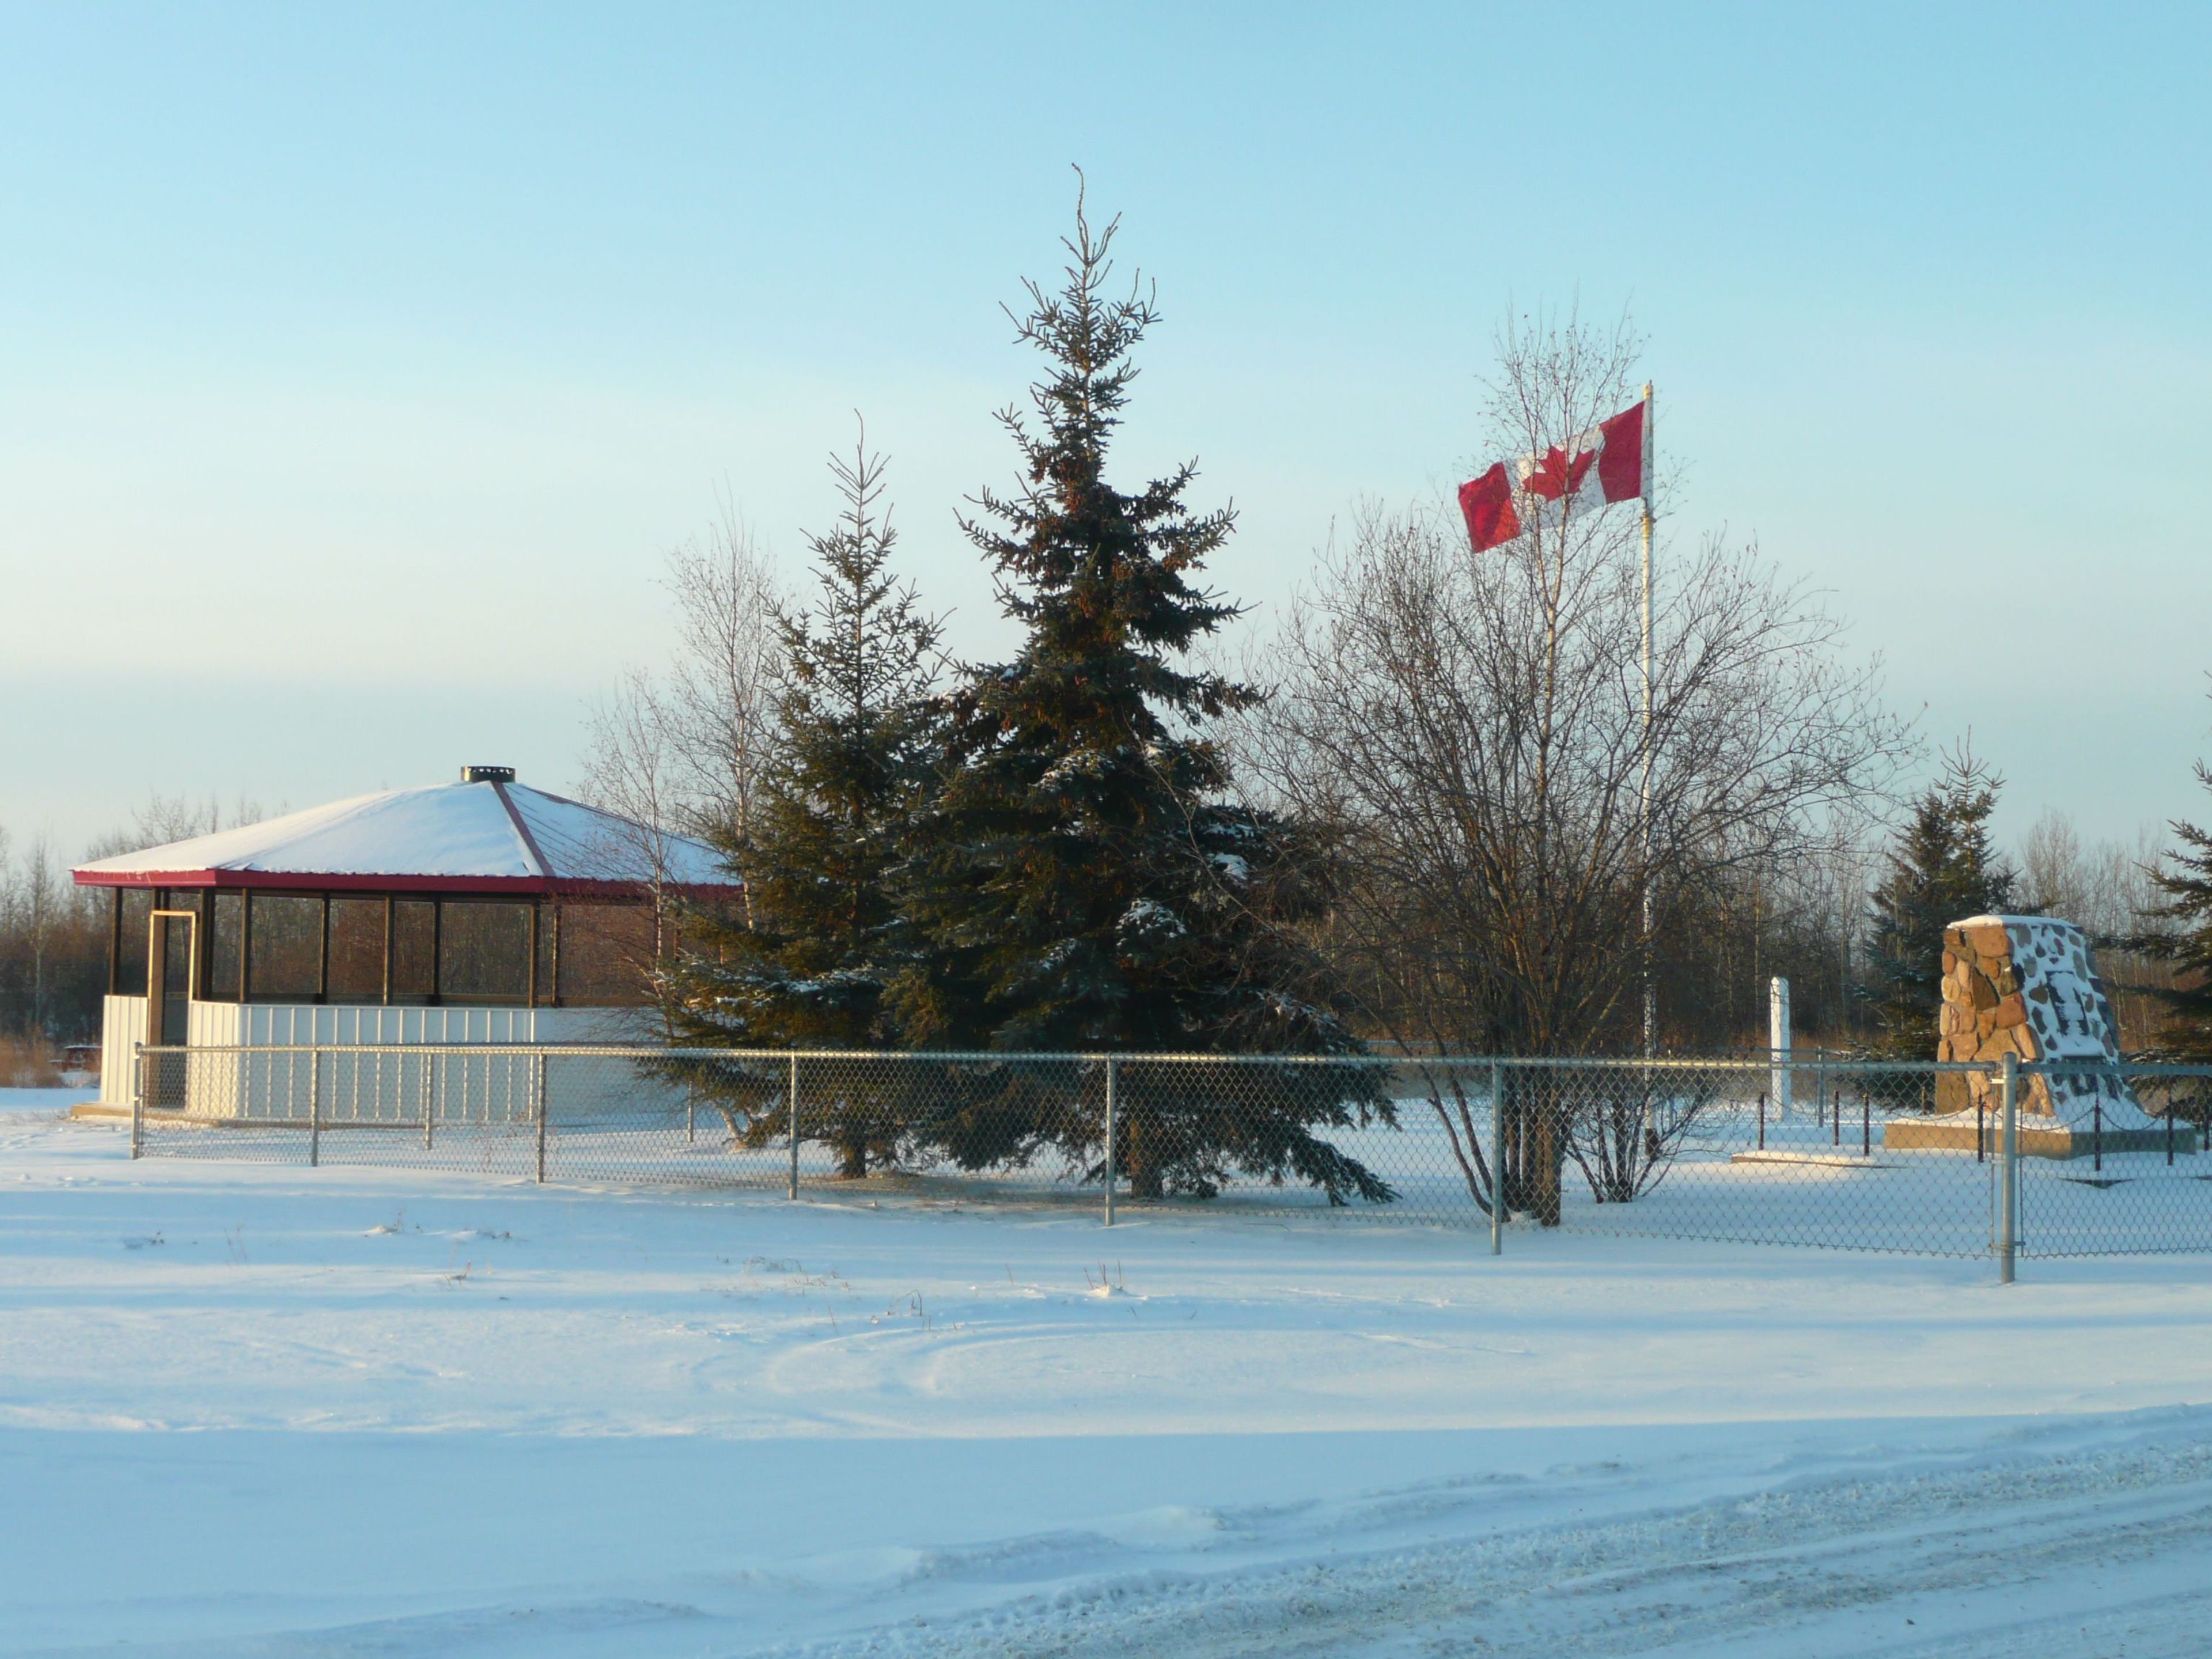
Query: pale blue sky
(357, 365)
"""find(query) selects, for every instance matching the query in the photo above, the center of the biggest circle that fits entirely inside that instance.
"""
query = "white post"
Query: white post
(1777, 1044)
(1650, 993)
(137, 1097)
(1112, 1065)
(315, 1108)
(2008, 1172)
(541, 1119)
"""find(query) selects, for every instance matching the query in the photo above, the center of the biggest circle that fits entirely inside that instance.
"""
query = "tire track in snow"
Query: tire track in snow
(2041, 1554)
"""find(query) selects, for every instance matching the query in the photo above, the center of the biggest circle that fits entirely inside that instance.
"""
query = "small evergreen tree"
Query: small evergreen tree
(2185, 877)
(1089, 888)
(824, 863)
(1944, 867)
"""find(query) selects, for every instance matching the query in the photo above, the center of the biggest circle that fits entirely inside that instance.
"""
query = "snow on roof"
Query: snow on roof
(445, 836)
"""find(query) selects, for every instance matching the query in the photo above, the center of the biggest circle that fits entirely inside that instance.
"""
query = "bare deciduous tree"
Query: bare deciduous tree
(1471, 727)
(2110, 889)
(686, 751)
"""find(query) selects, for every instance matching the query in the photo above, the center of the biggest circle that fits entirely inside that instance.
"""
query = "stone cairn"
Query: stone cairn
(2027, 986)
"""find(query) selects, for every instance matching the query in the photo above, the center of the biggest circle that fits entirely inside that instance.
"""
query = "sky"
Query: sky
(359, 367)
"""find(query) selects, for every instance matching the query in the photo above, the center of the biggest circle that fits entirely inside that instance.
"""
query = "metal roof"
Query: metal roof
(444, 837)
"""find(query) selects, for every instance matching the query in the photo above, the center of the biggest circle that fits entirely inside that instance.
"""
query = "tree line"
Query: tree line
(54, 934)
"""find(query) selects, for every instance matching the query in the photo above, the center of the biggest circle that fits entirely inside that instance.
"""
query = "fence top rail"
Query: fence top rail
(1752, 1066)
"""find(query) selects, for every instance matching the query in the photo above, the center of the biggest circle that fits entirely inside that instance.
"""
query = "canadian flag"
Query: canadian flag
(1611, 462)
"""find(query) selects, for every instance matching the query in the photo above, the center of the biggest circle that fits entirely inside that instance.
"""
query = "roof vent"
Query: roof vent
(487, 775)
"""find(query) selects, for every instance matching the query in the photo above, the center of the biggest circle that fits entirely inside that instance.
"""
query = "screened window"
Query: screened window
(133, 906)
(606, 955)
(483, 952)
(284, 948)
(357, 950)
(226, 946)
(414, 950)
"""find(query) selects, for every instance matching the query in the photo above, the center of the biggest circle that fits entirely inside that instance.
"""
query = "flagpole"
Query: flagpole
(1651, 999)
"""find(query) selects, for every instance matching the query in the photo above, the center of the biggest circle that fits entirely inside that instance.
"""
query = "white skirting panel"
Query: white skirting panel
(423, 1087)
(122, 1029)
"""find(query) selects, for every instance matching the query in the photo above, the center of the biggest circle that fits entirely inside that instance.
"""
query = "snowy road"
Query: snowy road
(268, 1411)
(2104, 1552)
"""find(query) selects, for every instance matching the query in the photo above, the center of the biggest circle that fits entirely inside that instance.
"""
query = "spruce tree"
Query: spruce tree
(1089, 887)
(824, 863)
(2185, 877)
(1943, 867)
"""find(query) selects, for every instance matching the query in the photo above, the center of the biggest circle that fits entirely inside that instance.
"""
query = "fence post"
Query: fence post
(2008, 1171)
(1866, 1126)
(1113, 1066)
(137, 1097)
(429, 1096)
(1762, 1121)
(315, 1108)
(791, 1191)
(541, 1119)
(2097, 1132)
(1497, 1158)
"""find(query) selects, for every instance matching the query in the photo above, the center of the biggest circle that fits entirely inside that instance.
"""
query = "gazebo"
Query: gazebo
(477, 912)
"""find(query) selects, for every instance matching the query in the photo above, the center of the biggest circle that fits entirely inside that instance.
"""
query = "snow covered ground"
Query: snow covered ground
(272, 1411)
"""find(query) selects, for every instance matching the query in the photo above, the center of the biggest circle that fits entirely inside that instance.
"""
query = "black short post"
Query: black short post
(1762, 1122)
(2097, 1133)
(2169, 1137)
(1866, 1128)
(1836, 1121)
(1977, 1131)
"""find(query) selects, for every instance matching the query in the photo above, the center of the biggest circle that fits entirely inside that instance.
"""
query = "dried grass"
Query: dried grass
(28, 1062)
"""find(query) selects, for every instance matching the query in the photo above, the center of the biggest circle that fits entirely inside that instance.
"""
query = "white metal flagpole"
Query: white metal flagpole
(1651, 996)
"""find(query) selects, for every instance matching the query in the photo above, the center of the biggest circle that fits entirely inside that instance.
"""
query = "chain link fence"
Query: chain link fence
(1816, 1151)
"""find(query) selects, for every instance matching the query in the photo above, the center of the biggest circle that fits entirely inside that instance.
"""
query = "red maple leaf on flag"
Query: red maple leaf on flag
(1555, 476)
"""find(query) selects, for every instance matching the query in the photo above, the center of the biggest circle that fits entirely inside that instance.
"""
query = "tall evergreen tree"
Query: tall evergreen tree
(1943, 867)
(1090, 888)
(824, 863)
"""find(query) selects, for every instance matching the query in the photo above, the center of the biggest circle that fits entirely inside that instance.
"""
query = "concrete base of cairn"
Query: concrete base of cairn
(2036, 1136)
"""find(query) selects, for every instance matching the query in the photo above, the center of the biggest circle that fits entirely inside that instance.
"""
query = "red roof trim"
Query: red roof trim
(303, 881)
